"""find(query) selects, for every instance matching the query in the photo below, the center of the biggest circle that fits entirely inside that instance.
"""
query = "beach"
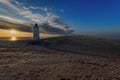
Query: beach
(20, 60)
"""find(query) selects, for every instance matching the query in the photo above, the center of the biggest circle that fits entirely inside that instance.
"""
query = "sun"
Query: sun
(13, 31)
(13, 39)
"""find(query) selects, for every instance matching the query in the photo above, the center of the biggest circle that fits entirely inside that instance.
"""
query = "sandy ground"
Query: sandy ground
(20, 61)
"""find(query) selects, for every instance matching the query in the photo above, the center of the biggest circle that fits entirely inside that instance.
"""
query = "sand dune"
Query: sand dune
(87, 45)
(56, 59)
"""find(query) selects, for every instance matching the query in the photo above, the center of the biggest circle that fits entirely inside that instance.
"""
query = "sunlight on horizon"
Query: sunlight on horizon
(13, 38)
(14, 33)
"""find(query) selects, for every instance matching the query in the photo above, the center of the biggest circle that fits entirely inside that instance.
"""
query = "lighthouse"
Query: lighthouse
(36, 32)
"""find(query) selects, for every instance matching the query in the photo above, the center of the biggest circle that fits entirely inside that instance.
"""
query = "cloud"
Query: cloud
(44, 9)
(8, 25)
(13, 20)
(46, 28)
(56, 22)
(9, 4)
(49, 23)
(33, 7)
(17, 2)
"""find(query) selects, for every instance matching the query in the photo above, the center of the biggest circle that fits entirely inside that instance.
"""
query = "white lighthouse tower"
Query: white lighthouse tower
(36, 32)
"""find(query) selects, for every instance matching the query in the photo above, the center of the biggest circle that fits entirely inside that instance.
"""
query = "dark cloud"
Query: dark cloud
(8, 25)
(44, 28)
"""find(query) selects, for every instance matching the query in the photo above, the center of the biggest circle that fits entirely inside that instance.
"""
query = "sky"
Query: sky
(62, 16)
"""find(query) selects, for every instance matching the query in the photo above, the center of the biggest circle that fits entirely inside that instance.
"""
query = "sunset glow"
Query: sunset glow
(13, 39)
(13, 31)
